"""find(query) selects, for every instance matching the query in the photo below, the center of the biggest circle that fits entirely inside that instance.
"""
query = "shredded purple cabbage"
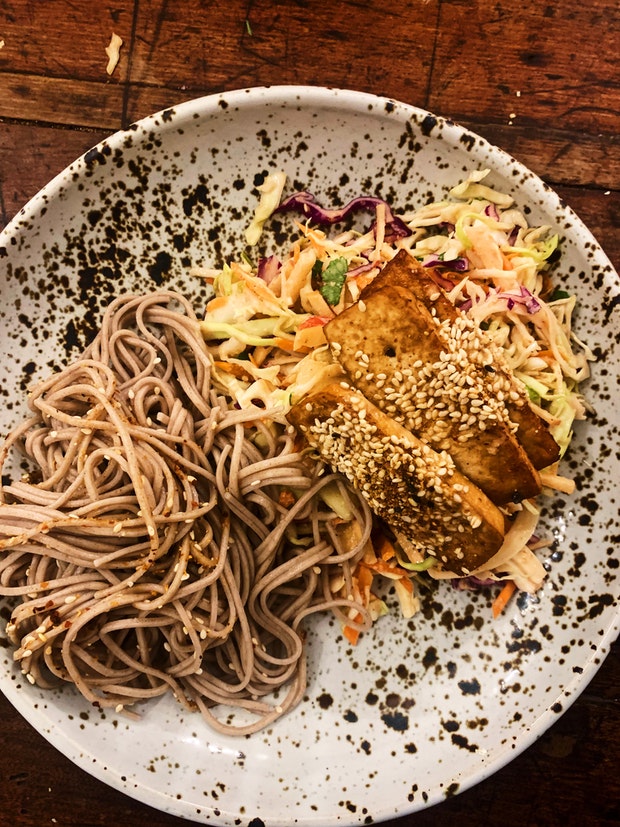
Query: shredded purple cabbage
(267, 268)
(491, 211)
(459, 265)
(514, 234)
(306, 203)
(471, 582)
(526, 299)
(361, 268)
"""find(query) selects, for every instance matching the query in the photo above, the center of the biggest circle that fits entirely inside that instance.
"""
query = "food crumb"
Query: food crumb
(1, 44)
(113, 52)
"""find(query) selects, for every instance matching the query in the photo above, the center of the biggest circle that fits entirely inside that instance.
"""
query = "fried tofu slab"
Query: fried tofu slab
(406, 272)
(435, 378)
(418, 491)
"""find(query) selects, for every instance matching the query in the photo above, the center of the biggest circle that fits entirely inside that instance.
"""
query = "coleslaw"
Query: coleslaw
(264, 329)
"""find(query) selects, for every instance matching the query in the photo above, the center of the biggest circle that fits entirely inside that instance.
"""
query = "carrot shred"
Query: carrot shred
(232, 367)
(365, 578)
(501, 601)
(285, 344)
(351, 634)
(218, 301)
(385, 549)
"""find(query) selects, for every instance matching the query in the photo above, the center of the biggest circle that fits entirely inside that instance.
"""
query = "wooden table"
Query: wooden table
(540, 79)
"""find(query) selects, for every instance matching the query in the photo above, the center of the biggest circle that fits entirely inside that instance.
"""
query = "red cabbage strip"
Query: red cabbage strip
(307, 204)
(491, 211)
(471, 582)
(525, 298)
(362, 268)
(268, 268)
(459, 265)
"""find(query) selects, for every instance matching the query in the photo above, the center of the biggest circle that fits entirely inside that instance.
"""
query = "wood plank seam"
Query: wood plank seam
(125, 121)
(431, 68)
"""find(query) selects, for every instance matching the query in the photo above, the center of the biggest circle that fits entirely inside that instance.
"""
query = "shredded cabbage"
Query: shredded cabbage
(264, 327)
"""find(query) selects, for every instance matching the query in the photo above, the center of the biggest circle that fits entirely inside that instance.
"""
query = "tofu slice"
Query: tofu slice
(418, 491)
(431, 377)
(532, 432)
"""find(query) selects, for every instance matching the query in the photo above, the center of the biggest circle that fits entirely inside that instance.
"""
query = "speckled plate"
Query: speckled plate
(420, 709)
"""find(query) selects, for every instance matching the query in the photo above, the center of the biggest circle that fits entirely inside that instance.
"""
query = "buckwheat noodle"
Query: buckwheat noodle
(148, 549)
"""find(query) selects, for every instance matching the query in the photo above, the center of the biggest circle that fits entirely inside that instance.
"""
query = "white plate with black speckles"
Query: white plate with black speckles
(420, 709)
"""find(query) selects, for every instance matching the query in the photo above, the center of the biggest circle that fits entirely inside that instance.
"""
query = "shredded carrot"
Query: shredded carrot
(364, 279)
(351, 634)
(365, 578)
(309, 338)
(314, 236)
(384, 548)
(232, 367)
(254, 284)
(387, 570)
(406, 583)
(285, 344)
(501, 601)
(313, 321)
(218, 301)
(508, 265)
(289, 344)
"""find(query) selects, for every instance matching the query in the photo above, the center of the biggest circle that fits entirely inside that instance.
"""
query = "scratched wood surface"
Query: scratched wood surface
(540, 79)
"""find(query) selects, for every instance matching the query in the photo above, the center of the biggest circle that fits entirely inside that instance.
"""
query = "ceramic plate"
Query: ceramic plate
(420, 709)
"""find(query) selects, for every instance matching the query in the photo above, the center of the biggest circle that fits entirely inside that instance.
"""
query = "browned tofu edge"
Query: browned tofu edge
(392, 469)
(394, 331)
(406, 272)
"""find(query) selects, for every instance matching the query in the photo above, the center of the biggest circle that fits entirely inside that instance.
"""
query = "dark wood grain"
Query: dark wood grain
(539, 79)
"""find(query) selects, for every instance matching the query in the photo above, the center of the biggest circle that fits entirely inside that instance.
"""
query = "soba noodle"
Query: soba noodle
(149, 548)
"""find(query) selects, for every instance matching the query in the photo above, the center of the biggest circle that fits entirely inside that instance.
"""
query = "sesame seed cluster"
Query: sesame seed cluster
(446, 381)
(460, 392)
(414, 488)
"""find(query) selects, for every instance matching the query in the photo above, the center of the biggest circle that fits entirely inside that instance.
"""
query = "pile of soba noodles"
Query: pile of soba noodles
(163, 539)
